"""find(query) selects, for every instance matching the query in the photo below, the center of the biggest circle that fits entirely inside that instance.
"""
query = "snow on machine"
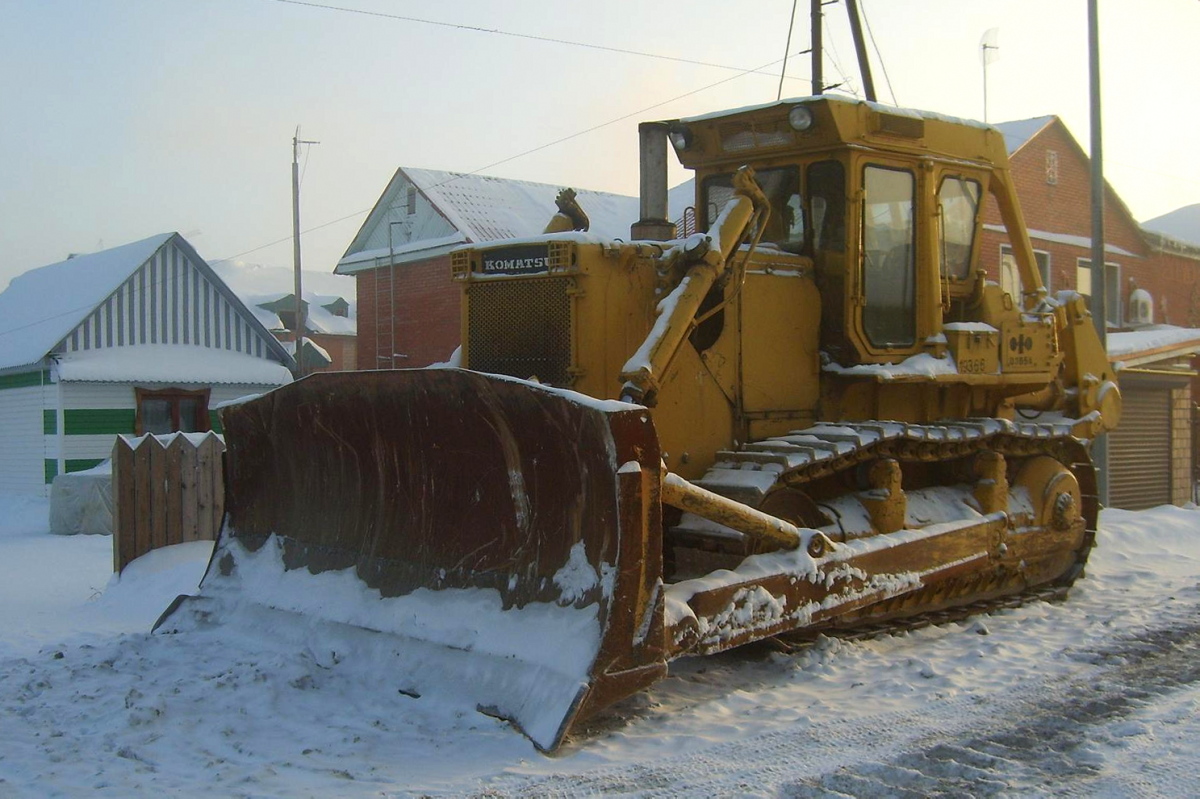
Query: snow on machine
(814, 415)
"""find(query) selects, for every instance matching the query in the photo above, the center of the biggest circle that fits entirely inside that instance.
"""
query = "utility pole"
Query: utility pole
(860, 48)
(818, 82)
(298, 325)
(1099, 278)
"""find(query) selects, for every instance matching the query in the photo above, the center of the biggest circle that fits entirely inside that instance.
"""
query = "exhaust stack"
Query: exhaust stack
(653, 225)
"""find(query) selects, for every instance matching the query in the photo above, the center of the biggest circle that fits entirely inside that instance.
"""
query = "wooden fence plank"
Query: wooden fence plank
(174, 488)
(158, 495)
(190, 496)
(208, 458)
(123, 501)
(142, 495)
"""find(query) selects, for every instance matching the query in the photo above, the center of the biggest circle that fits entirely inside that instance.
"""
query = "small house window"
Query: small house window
(1112, 288)
(172, 411)
(1052, 167)
(411, 200)
(1010, 275)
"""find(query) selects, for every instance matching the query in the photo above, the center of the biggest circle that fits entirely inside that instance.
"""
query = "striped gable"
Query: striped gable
(157, 291)
(172, 298)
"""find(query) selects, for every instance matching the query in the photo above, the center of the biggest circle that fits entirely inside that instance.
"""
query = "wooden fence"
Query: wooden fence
(166, 490)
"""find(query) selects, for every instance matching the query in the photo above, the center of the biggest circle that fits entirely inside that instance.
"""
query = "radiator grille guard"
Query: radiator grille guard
(521, 328)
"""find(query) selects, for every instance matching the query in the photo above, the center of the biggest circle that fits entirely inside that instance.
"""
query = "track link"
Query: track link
(805, 455)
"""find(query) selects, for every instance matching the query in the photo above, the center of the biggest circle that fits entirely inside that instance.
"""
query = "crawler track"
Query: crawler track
(800, 459)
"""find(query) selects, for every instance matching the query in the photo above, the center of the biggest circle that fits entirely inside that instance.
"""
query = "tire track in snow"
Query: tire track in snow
(965, 747)
(1051, 749)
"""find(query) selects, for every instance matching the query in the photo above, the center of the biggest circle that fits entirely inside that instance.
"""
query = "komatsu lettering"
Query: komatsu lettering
(516, 261)
(513, 264)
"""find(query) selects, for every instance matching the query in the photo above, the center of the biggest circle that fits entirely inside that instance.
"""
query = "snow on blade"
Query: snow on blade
(526, 664)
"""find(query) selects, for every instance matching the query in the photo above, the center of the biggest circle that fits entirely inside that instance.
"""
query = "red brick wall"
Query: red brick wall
(426, 314)
(1064, 207)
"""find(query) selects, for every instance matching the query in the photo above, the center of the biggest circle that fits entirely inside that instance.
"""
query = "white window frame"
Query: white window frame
(1112, 279)
(1043, 266)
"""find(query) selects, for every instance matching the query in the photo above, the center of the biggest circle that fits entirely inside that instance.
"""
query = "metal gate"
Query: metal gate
(1139, 450)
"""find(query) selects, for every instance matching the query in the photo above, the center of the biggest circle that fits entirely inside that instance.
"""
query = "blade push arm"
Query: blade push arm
(707, 257)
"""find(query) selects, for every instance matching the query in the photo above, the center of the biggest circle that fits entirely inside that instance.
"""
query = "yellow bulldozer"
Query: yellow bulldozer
(815, 415)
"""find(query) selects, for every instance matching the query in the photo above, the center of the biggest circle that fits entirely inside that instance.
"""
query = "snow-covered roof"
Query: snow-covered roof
(487, 209)
(1182, 224)
(1084, 242)
(1153, 343)
(913, 113)
(311, 348)
(1017, 133)
(251, 281)
(317, 318)
(43, 305)
(454, 208)
(178, 364)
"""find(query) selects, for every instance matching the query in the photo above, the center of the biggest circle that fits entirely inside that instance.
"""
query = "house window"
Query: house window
(170, 411)
(411, 200)
(1010, 276)
(1112, 288)
(1052, 167)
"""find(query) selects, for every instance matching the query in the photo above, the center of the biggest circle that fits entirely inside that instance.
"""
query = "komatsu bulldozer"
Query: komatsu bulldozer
(814, 414)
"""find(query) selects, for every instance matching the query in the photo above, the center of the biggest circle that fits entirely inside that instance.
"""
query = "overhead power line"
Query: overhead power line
(514, 34)
(622, 118)
(524, 153)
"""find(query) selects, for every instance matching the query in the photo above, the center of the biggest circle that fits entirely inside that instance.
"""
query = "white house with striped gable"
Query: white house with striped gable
(141, 338)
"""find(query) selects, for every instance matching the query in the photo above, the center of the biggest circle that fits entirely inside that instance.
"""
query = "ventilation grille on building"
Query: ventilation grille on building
(1052, 167)
(460, 264)
(521, 328)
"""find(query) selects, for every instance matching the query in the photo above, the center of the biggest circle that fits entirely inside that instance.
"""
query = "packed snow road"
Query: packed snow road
(1095, 696)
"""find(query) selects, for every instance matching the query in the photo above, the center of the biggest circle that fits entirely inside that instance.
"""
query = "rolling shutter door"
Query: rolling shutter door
(1139, 450)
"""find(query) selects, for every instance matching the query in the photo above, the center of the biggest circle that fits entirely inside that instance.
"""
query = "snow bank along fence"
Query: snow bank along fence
(166, 490)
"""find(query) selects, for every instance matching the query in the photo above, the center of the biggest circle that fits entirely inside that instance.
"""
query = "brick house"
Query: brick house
(408, 309)
(1152, 280)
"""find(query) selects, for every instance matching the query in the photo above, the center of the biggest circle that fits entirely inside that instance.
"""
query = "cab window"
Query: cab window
(889, 264)
(827, 198)
(785, 226)
(958, 203)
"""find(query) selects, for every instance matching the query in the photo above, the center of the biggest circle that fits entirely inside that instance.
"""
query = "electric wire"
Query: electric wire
(577, 134)
(530, 151)
(514, 34)
(878, 55)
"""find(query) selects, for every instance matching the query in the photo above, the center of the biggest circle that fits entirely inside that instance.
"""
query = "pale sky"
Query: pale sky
(127, 118)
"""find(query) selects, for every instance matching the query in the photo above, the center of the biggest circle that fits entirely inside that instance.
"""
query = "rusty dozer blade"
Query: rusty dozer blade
(513, 525)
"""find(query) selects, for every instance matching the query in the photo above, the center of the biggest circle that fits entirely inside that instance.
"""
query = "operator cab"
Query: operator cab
(886, 202)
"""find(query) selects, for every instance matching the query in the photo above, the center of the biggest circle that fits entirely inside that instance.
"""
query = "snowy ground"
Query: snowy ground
(1097, 696)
